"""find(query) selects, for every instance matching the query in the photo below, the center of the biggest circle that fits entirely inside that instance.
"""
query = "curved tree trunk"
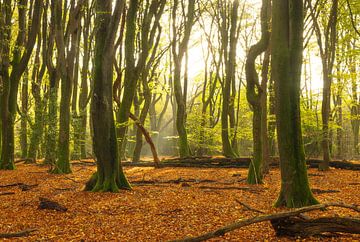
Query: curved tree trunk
(256, 94)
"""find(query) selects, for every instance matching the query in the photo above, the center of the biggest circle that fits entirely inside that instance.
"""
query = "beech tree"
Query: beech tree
(256, 93)
(286, 52)
(326, 38)
(178, 52)
(63, 40)
(19, 60)
(109, 175)
(227, 24)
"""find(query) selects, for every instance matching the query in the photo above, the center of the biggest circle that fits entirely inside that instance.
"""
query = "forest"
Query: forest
(179, 120)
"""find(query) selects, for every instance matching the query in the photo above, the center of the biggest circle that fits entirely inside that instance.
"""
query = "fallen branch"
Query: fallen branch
(26, 160)
(46, 203)
(319, 191)
(84, 163)
(22, 186)
(26, 187)
(176, 181)
(268, 217)
(147, 138)
(23, 233)
(231, 188)
(7, 193)
(248, 207)
(11, 185)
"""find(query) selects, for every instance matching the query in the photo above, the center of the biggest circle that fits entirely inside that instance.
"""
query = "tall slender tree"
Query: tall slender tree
(287, 48)
(227, 24)
(326, 38)
(178, 53)
(66, 69)
(255, 95)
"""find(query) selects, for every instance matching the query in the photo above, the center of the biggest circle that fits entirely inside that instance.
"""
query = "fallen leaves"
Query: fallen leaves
(159, 208)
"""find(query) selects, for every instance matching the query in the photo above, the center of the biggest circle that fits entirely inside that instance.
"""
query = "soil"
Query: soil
(165, 204)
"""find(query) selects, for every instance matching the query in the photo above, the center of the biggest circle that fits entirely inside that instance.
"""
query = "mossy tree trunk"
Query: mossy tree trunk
(66, 70)
(75, 113)
(109, 175)
(287, 48)
(51, 95)
(20, 58)
(39, 101)
(24, 114)
(256, 94)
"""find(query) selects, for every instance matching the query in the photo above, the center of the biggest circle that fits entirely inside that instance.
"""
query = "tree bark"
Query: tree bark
(287, 48)
(11, 83)
(178, 52)
(110, 176)
(256, 94)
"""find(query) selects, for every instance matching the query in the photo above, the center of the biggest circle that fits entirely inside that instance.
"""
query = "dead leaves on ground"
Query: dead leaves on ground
(165, 204)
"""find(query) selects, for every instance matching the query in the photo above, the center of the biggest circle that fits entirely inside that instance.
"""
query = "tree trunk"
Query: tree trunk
(37, 76)
(84, 89)
(109, 175)
(11, 83)
(287, 47)
(24, 114)
(256, 94)
(178, 52)
(66, 70)
(229, 51)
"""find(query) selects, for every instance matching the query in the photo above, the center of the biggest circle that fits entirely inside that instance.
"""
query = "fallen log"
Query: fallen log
(300, 227)
(46, 203)
(23, 233)
(241, 162)
(340, 164)
(268, 217)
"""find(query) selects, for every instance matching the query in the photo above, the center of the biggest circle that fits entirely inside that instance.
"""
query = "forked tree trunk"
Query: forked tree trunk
(109, 175)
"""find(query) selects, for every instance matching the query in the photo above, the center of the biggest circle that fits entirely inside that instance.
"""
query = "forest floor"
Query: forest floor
(165, 204)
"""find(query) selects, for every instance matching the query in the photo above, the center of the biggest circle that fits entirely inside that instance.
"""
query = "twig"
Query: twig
(71, 179)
